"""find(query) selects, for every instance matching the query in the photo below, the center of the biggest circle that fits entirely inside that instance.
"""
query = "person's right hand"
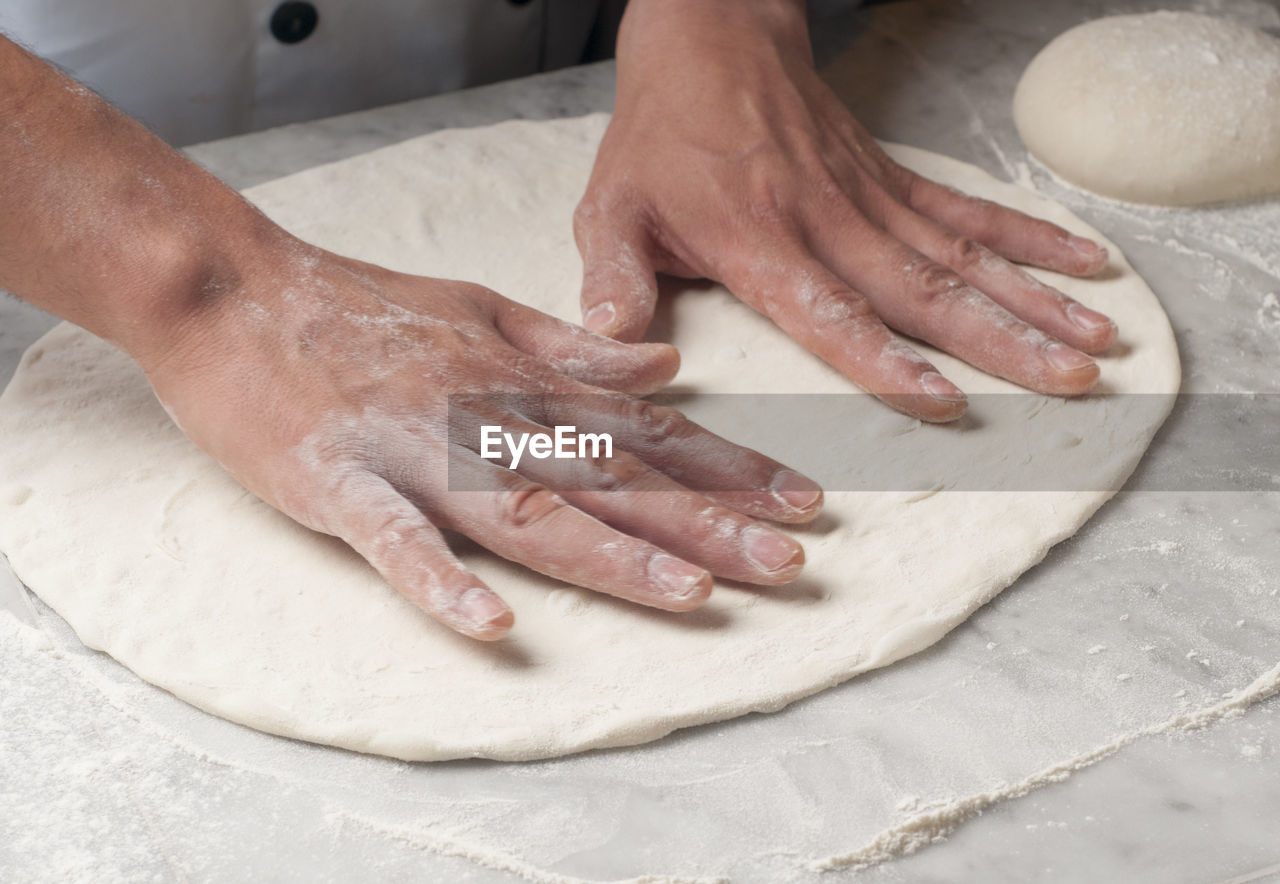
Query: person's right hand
(323, 384)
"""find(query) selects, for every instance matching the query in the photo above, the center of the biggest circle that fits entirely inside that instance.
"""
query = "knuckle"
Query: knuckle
(766, 194)
(985, 212)
(617, 473)
(481, 295)
(833, 305)
(528, 504)
(654, 421)
(390, 538)
(532, 373)
(905, 184)
(600, 206)
(711, 524)
(983, 218)
(931, 283)
(830, 195)
(964, 253)
(327, 474)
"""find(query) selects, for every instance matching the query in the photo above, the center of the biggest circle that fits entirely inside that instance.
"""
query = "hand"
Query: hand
(323, 385)
(728, 158)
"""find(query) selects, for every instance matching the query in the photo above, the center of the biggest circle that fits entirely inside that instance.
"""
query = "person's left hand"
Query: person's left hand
(729, 158)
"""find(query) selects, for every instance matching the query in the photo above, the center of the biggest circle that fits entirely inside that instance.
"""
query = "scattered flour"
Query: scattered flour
(935, 824)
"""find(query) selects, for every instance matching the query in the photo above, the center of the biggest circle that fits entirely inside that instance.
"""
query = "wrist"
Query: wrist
(702, 24)
(185, 273)
(105, 225)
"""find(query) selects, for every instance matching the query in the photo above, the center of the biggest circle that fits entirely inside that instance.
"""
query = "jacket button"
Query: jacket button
(293, 22)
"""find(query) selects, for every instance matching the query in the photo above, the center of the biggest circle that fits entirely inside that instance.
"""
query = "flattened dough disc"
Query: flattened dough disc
(153, 554)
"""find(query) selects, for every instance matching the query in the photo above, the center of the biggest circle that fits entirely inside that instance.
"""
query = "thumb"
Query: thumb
(619, 286)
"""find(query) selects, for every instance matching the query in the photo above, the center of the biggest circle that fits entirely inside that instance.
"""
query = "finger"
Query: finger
(628, 495)
(1008, 232)
(929, 301)
(619, 285)
(410, 554)
(831, 320)
(638, 369)
(530, 524)
(664, 439)
(1008, 285)
(1012, 234)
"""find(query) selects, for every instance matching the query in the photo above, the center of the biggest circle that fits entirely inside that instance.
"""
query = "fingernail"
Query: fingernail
(768, 550)
(480, 608)
(940, 388)
(1063, 358)
(1089, 250)
(600, 317)
(680, 579)
(1085, 246)
(795, 490)
(1085, 318)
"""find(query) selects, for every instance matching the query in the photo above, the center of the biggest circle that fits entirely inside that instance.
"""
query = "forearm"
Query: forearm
(102, 223)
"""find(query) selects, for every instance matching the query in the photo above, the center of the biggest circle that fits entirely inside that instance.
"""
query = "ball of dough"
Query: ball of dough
(1172, 108)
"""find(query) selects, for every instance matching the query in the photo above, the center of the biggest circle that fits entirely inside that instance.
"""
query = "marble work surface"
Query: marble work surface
(1164, 603)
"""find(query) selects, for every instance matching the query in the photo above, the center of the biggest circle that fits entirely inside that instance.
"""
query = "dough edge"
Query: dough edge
(618, 728)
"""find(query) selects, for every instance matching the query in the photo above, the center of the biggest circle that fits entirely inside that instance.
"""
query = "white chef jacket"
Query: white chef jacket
(194, 70)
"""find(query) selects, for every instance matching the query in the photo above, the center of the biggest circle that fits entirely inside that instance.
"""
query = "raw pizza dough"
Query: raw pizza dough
(1173, 108)
(156, 556)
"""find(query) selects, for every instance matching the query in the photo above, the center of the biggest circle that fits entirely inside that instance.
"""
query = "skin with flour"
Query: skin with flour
(320, 382)
(783, 197)
(204, 589)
